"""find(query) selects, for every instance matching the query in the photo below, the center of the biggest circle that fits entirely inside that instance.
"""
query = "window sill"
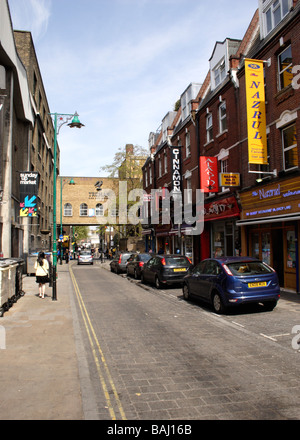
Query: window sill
(284, 94)
(208, 143)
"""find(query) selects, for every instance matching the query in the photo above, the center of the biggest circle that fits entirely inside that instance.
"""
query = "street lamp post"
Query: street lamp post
(59, 121)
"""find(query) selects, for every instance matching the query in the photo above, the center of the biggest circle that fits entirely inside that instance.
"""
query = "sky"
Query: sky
(122, 65)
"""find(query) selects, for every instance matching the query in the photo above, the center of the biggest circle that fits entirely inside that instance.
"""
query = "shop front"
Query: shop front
(221, 236)
(270, 227)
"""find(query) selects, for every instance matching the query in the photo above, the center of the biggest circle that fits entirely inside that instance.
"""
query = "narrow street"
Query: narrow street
(153, 356)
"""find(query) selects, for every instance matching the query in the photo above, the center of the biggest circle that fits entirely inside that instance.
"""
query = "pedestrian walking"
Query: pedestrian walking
(42, 273)
(67, 256)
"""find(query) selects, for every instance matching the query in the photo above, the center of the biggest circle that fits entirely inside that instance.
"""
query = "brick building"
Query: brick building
(16, 123)
(260, 217)
(41, 148)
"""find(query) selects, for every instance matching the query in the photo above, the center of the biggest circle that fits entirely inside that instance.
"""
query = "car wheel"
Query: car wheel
(158, 284)
(217, 304)
(127, 272)
(186, 292)
(270, 305)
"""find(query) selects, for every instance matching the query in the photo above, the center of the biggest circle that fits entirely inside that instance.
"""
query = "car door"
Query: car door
(147, 269)
(130, 264)
(155, 269)
(196, 280)
(209, 278)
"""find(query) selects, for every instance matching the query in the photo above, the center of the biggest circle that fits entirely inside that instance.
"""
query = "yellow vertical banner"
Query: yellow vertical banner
(256, 112)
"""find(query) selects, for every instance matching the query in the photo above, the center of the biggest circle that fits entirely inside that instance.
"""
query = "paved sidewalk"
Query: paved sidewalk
(39, 373)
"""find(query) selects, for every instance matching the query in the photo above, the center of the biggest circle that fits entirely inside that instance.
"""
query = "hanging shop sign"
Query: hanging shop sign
(209, 174)
(176, 169)
(229, 179)
(29, 185)
(256, 112)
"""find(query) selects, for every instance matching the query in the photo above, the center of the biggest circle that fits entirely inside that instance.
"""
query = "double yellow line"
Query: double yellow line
(102, 368)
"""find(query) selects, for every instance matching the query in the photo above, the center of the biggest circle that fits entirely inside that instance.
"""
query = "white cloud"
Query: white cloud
(32, 15)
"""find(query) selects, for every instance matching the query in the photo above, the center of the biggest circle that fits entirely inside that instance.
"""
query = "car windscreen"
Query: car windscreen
(85, 253)
(248, 268)
(177, 261)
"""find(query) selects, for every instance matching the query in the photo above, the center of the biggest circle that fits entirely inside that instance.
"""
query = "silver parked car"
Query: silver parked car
(119, 263)
(85, 257)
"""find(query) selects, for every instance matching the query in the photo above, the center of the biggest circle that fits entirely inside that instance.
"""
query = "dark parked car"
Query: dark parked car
(119, 263)
(231, 281)
(136, 263)
(165, 269)
(85, 257)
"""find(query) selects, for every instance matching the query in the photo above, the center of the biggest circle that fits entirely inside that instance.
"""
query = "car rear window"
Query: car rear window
(249, 268)
(144, 257)
(177, 261)
(125, 257)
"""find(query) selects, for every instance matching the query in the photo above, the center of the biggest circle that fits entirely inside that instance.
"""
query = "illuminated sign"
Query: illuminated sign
(271, 200)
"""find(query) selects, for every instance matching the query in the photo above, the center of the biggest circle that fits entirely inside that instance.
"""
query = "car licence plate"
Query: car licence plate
(252, 285)
(180, 270)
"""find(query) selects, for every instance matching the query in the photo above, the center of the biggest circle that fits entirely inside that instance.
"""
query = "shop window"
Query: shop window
(255, 246)
(291, 249)
(290, 147)
(266, 247)
(285, 64)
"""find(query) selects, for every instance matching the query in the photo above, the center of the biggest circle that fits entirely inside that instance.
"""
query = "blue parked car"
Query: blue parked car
(231, 281)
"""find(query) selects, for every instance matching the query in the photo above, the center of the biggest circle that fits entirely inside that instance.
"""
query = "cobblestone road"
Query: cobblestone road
(168, 359)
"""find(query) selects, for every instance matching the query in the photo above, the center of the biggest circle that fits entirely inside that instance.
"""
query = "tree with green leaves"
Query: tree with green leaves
(127, 166)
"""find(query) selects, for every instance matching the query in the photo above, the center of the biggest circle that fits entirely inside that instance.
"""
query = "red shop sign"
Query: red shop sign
(224, 208)
(209, 177)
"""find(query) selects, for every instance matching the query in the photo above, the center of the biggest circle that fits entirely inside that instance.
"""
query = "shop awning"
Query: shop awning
(274, 219)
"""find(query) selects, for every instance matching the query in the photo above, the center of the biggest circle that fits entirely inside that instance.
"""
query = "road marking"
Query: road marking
(236, 323)
(268, 337)
(97, 350)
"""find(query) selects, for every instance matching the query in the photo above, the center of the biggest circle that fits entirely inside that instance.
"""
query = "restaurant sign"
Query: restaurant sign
(219, 209)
